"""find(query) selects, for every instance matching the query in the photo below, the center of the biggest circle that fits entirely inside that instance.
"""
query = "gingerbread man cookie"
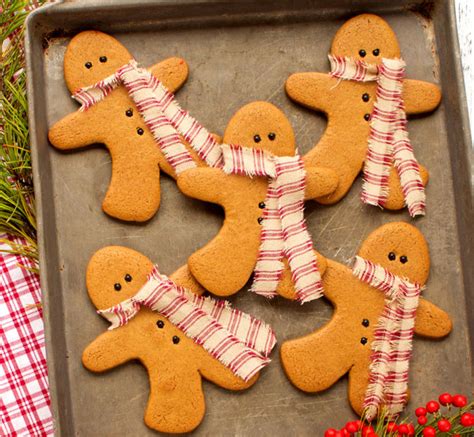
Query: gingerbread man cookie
(169, 336)
(376, 313)
(366, 125)
(134, 190)
(226, 263)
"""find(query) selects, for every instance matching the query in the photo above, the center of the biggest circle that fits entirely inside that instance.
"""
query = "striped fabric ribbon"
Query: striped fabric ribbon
(161, 113)
(388, 142)
(284, 232)
(239, 341)
(392, 345)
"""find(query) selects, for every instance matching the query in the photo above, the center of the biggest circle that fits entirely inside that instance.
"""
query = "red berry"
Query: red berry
(403, 429)
(352, 427)
(445, 399)
(422, 420)
(339, 434)
(420, 411)
(358, 424)
(444, 425)
(432, 407)
(367, 431)
(391, 427)
(467, 419)
(345, 433)
(429, 431)
(459, 401)
(331, 432)
(411, 429)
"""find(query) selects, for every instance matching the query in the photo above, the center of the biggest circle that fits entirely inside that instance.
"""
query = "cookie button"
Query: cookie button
(362, 53)
(140, 131)
(365, 97)
(88, 65)
(365, 322)
(128, 277)
(117, 287)
(261, 205)
(175, 339)
(160, 324)
(367, 117)
(129, 112)
(260, 220)
(363, 340)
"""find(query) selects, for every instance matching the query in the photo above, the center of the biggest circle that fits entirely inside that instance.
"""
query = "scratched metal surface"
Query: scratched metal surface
(232, 62)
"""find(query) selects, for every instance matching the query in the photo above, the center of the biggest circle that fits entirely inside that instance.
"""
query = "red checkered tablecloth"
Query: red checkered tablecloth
(24, 392)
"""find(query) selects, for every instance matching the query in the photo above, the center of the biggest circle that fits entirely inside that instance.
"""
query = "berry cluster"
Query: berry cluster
(431, 422)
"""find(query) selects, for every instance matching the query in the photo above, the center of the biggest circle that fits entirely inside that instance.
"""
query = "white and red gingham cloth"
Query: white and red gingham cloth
(392, 345)
(239, 341)
(161, 113)
(389, 143)
(24, 391)
(284, 232)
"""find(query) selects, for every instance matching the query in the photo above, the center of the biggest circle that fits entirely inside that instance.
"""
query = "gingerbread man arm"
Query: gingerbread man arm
(204, 183)
(431, 321)
(75, 130)
(420, 96)
(109, 350)
(183, 277)
(313, 90)
(320, 182)
(172, 72)
(216, 372)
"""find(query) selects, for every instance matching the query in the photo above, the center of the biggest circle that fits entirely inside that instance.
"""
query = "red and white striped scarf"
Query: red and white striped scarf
(161, 113)
(284, 232)
(239, 341)
(388, 141)
(392, 345)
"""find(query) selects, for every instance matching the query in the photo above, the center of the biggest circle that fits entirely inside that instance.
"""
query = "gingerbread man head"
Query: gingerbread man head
(366, 37)
(401, 249)
(261, 125)
(92, 56)
(176, 363)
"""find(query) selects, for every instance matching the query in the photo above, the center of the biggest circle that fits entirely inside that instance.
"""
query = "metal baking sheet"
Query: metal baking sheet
(239, 52)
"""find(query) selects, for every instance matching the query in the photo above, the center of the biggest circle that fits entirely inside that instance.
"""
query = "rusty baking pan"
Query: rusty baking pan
(239, 52)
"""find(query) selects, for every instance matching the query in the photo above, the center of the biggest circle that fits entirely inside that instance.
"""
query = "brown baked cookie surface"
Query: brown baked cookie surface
(348, 105)
(318, 360)
(134, 189)
(175, 363)
(226, 263)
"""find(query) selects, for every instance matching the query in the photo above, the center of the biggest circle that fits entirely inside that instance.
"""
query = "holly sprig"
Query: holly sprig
(17, 201)
(451, 416)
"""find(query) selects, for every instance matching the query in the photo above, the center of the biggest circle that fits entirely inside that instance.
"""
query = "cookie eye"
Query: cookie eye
(88, 65)
(117, 287)
(140, 131)
(362, 53)
(376, 52)
(392, 256)
(403, 259)
(128, 278)
(160, 324)
(257, 138)
(175, 339)
(128, 112)
(103, 59)
(271, 136)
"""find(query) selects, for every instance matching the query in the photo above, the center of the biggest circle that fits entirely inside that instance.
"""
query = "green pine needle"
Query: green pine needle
(17, 202)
